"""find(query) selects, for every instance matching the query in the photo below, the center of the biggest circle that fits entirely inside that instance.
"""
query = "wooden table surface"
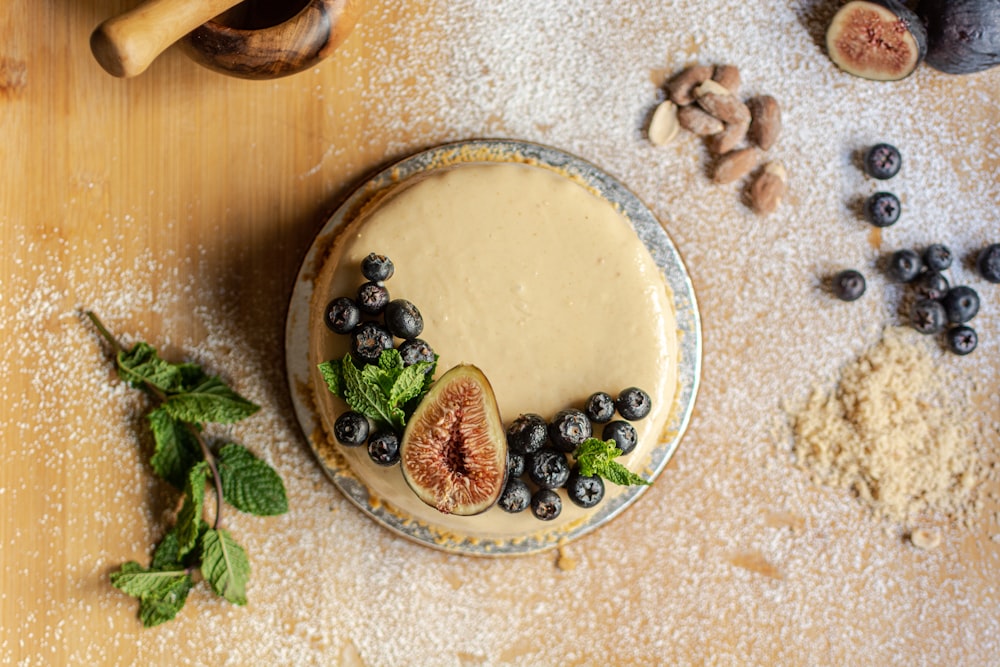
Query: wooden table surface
(179, 204)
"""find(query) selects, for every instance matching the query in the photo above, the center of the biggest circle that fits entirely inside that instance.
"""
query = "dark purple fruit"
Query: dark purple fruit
(882, 209)
(342, 315)
(988, 263)
(548, 468)
(622, 433)
(383, 448)
(876, 39)
(904, 265)
(351, 429)
(928, 316)
(369, 341)
(937, 257)
(372, 298)
(600, 407)
(546, 504)
(963, 36)
(568, 429)
(633, 404)
(882, 161)
(377, 268)
(515, 497)
(527, 433)
(962, 340)
(584, 491)
(515, 463)
(931, 285)
(961, 303)
(415, 350)
(848, 285)
(403, 319)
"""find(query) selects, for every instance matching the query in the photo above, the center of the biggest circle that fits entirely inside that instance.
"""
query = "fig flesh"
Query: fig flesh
(881, 40)
(963, 36)
(454, 449)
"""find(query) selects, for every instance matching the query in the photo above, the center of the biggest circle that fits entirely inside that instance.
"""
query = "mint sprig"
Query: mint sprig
(186, 399)
(386, 392)
(597, 457)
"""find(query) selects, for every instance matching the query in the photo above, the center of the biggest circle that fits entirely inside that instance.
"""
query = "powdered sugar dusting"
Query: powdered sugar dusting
(733, 557)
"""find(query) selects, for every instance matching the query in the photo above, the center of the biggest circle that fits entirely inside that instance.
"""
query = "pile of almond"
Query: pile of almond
(704, 100)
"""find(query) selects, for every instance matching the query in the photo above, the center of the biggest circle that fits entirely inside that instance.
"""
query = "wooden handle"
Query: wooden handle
(125, 45)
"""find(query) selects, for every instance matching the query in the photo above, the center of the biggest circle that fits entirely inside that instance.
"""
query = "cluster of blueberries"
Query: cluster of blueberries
(538, 450)
(386, 321)
(882, 161)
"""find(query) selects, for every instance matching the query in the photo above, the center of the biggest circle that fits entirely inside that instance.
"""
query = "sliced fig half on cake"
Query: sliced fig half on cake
(454, 449)
(882, 40)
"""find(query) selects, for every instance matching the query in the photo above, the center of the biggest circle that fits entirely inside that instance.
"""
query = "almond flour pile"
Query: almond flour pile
(894, 431)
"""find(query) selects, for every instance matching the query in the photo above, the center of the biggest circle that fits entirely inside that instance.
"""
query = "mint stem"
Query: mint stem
(161, 397)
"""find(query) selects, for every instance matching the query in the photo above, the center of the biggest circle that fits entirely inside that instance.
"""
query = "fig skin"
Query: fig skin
(881, 40)
(963, 35)
(454, 449)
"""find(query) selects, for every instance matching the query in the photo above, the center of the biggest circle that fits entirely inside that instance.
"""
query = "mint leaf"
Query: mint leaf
(190, 376)
(366, 397)
(409, 384)
(165, 604)
(333, 375)
(142, 365)
(597, 457)
(250, 484)
(616, 473)
(224, 565)
(391, 360)
(189, 517)
(176, 448)
(210, 401)
(167, 555)
(383, 378)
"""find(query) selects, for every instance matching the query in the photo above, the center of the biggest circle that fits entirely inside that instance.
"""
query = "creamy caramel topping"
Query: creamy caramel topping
(527, 275)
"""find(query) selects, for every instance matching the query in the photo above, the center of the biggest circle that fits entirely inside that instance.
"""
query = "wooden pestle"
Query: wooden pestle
(126, 44)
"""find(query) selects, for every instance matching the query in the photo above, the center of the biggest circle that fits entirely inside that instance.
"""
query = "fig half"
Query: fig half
(454, 449)
(963, 35)
(881, 40)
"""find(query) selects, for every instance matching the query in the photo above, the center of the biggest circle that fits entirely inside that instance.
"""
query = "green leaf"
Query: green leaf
(597, 457)
(163, 607)
(367, 398)
(190, 376)
(383, 378)
(142, 365)
(250, 484)
(167, 555)
(333, 375)
(391, 360)
(409, 384)
(225, 566)
(176, 448)
(189, 517)
(211, 401)
(616, 473)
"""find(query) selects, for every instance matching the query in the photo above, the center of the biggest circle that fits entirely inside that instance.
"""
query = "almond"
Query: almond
(728, 76)
(768, 188)
(680, 87)
(695, 119)
(714, 98)
(735, 165)
(765, 124)
(663, 126)
(731, 137)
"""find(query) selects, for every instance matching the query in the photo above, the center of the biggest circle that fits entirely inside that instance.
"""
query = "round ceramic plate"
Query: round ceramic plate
(302, 375)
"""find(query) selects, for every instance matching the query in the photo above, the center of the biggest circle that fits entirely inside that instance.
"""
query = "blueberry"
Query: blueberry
(383, 448)
(848, 285)
(622, 433)
(962, 340)
(515, 464)
(527, 433)
(883, 161)
(600, 407)
(961, 303)
(633, 404)
(368, 342)
(403, 319)
(351, 429)
(377, 268)
(415, 350)
(372, 298)
(988, 263)
(904, 265)
(882, 209)
(937, 257)
(931, 285)
(515, 497)
(548, 468)
(342, 315)
(546, 504)
(928, 316)
(584, 491)
(568, 429)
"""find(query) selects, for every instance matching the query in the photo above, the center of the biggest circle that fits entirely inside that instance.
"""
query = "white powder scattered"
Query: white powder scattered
(733, 557)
